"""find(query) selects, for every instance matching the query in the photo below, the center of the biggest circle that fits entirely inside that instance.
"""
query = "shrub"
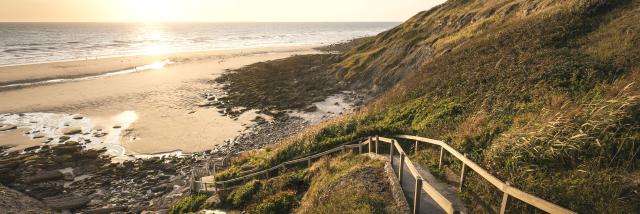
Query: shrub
(245, 193)
(189, 204)
(282, 202)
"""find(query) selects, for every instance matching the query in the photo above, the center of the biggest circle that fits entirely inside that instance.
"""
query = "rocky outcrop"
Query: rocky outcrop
(12, 201)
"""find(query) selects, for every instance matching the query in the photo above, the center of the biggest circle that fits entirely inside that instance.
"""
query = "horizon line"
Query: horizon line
(162, 22)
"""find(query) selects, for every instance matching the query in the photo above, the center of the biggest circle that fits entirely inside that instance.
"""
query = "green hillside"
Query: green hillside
(544, 94)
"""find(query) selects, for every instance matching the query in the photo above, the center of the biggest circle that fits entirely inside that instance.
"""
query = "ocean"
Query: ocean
(29, 43)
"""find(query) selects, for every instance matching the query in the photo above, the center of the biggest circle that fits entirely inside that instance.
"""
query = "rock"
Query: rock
(99, 134)
(6, 127)
(71, 131)
(63, 138)
(311, 108)
(107, 210)
(68, 176)
(28, 149)
(77, 117)
(117, 126)
(44, 190)
(213, 201)
(67, 203)
(205, 104)
(38, 136)
(161, 188)
(44, 176)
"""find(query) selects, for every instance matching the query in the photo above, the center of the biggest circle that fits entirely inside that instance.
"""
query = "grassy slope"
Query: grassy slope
(344, 184)
(544, 94)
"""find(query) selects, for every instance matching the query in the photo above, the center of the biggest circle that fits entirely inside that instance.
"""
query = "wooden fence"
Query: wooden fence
(507, 190)
(395, 147)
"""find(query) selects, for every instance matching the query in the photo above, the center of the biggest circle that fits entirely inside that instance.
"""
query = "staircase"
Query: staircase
(424, 192)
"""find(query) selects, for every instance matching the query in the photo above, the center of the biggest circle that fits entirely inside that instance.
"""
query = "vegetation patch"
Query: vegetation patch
(272, 86)
(189, 204)
(349, 184)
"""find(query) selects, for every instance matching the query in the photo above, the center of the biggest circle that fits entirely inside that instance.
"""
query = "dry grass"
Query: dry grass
(545, 95)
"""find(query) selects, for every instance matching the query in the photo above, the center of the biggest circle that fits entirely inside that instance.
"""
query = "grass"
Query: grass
(544, 94)
(345, 184)
(349, 184)
(189, 204)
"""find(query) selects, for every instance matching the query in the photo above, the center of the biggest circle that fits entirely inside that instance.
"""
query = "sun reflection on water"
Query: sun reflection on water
(126, 118)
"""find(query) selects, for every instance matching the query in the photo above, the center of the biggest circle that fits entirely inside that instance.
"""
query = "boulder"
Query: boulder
(77, 117)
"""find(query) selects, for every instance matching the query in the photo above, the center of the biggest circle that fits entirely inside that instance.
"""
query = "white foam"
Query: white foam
(153, 66)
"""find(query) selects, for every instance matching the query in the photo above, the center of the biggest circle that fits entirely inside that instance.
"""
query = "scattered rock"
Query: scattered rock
(117, 126)
(38, 136)
(71, 131)
(63, 138)
(311, 108)
(99, 134)
(77, 117)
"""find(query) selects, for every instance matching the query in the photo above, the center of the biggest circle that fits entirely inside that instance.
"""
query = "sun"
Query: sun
(151, 10)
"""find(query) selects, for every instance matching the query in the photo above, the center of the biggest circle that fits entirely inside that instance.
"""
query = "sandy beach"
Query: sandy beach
(147, 111)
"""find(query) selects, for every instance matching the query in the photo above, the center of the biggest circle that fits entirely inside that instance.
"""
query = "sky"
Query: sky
(211, 10)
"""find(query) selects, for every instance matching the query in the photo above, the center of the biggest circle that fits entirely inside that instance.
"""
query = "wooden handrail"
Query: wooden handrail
(442, 201)
(502, 186)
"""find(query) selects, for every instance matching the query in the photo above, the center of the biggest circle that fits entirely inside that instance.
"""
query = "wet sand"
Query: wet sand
(152, 111)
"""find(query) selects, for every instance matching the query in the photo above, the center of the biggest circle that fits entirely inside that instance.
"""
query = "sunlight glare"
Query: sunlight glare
(151, 10)
(126, 118)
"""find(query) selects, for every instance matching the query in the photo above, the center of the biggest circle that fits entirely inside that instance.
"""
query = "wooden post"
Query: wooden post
(462, 175)
(417, 194)
(205, 186)
(415, 150)
(377, 140)
(359, 148)
(391, 152)
(505, 199)
(441, 155)
(309, 162)
(214, 168)
(401, 167)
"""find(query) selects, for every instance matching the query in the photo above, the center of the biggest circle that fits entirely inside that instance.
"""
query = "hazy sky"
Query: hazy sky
(210, 10)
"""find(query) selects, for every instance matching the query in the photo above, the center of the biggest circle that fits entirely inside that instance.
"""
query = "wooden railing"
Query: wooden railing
(394, 146)
(507, 190)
